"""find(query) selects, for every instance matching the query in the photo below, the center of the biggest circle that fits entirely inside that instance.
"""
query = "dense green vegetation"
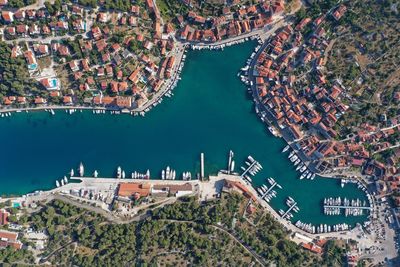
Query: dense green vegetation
(183, 233)
(14, 75)
(20, 3)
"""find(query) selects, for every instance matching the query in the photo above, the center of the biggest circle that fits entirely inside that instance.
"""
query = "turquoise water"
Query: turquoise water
(210, 112)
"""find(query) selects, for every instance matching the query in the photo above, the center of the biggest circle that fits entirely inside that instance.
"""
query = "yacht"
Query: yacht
(297, 162)
(303, 175)
(291, 154)
(167, 173)
(302, 169)
(163, 174)
(95, 174)
(57, 183)
(65, 179)
(300, 166)
(72, 173)
(81, 170)
(123, 175)
(312, 176)
(309, 175)
(148, 174)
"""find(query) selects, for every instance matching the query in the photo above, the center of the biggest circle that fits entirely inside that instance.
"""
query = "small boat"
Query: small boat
(148, 174)
(312, 176)
(167, 173)
(163, 174)
(95, 174)
(62, 182)
(297, 162)
(303, 175)
(123, 174)
(65, 179)
(57, 183)
(72, 173)
(81, 170)
(285, 149)
(119, 172)
(309, 175)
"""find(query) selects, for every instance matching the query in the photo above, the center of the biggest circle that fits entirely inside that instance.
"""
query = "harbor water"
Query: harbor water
(210, 112)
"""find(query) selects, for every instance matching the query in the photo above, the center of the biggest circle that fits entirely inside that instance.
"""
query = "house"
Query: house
(31, 60)
(7, 16)
(50, 83)
(4, 217)
(74, 66)
(40, 101)
(135, 190)
(9, 239)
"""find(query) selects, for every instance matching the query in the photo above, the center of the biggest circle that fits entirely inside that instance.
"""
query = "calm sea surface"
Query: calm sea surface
(210, 112)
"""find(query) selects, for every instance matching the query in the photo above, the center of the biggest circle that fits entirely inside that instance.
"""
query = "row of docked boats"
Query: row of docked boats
(267, 193)
(300, 166)
(6, 114)
(322, 228)
(252, 168)
(62, 182)
(98, 111)
(353, 207)
(168, 174)
(292, 206)
(218, 46)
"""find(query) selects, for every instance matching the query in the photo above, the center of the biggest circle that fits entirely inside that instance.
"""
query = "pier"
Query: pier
(248, 169)
(202, 165)
(294, 204)
(348, 207)
(269, 190)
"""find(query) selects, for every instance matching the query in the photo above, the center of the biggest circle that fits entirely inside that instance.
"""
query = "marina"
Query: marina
(208, 114)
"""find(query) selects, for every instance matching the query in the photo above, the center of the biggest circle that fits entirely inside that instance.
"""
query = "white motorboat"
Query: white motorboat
(81, 170)
(285, 149)
(119, 172)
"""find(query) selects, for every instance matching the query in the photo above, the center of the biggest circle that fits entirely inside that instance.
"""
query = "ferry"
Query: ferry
(81, 170)
(95, 174)
(285, 149)
(119, 172)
